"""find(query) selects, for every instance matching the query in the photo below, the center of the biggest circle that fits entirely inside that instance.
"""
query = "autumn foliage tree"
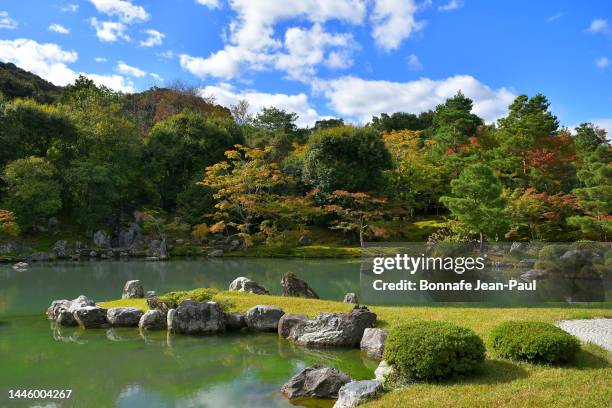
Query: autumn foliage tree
(8, 223)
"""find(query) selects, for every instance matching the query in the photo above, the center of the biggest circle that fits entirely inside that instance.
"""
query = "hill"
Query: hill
(18, 83)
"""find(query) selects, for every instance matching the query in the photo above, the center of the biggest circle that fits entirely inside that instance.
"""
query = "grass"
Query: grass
(587, 382)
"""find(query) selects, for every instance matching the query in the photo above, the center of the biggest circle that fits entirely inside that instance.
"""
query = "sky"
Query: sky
(320, 58)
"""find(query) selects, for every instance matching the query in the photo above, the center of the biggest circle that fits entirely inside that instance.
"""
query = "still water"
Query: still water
(122, 368)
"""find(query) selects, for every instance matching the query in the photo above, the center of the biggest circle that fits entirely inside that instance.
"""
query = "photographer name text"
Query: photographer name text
(425, 285)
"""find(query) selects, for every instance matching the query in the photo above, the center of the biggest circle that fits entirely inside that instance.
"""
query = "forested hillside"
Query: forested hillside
(90, 158)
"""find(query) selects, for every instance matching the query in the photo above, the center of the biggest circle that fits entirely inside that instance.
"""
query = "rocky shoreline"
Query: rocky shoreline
(353, 329)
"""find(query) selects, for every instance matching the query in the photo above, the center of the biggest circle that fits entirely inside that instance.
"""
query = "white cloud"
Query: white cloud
(554, 17)
(451, 5)
(70, 8)
(49, 61)
(599, 25)
(602, 62)
(100, 59)
(212, 4)
(253, 43)
(46, 60)
(109, 31)
(604, 123)
(154, 38)
(126, 69)
(361, 99)
(339, 60)
(7, 22)
(414, 63)
(123, 9)
(393, 21)
(165, 54)
(226, 95)
(156, 77)
(58, 28)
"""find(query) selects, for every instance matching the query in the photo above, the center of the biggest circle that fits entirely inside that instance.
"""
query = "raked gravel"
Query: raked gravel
(597, 331)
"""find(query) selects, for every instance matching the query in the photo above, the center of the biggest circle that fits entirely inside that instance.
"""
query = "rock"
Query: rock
(170, 318)
(304, 240)
(62, 310)
(383, 372)
(90, 317)
(517, 246)
(150, 294)
(334, 329)
(152, 320)
(287, 322)
(315, 382)
(243, 284)
(155, 303)
(21, 266)
(132, 290)
(357, 392)
(294, 286)
(10, 247)
(263, 318)
(65, 318)
(579, 255)
(373, 342)
(235, 321)
(350, 298)
(60, 249)
(39, 257)
(101, 239)
(198, 318)
(533, 274)
(52, 223)
(179, 241)
(158, 248)
(129, 238)
(124, 316)
(93, 254)
(215, 253)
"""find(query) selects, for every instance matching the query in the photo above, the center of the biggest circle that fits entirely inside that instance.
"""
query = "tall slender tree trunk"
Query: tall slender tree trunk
(481, 242)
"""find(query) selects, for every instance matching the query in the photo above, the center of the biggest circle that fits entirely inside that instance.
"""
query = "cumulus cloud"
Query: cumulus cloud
(361, 99)
(154, 38)
(123, 9)
(126, 69)
(70, 8)
(6, 21)
(393, 21)
(49, 61)
(156, 77)
(602, 62)
(451, 5)
(58, 28)
(599, 25)
(226, 95)
(109, 31)
(253, 41)
(212, 4)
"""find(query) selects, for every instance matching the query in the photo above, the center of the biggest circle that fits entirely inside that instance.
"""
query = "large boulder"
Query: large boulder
(235, 321)
(243, 284)
(357, 392)
(263, 318)
(61, 311)
(373, 342)
(133, 289)
(334, 329)
(60, 249)
(294, 286)
(124, 316)
(384, 372)
(192, 317)
(287, 322)
(91, 317)
(101, 239)
(152, 320)
(351, 298)
(315, 382)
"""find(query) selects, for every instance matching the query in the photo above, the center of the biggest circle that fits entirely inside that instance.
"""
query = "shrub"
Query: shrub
(433, 350)
(552, 252)
(173, 299)
(533, 341)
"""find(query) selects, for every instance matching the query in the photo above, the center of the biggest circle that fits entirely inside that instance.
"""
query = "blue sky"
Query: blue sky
(320, 58)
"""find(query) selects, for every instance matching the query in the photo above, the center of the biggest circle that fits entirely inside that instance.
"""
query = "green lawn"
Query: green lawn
(588, 382)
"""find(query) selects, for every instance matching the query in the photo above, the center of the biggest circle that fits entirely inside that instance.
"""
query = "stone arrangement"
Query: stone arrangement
(353, 329)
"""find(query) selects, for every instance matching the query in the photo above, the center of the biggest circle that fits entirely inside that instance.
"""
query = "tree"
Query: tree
(8, 223)
(454, 122)
(32, 192)
(402, 121)
(327, 123)
(274, 120)
(588, 138)
(595, 195)
(345, 158)
(476, 201)
(178, 150)
(354, 210)
(240, 112)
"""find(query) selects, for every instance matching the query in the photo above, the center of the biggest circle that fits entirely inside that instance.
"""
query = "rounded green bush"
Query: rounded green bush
(536, 342)
(433, 350)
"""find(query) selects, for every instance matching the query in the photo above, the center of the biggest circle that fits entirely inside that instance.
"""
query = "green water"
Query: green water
(122, 368)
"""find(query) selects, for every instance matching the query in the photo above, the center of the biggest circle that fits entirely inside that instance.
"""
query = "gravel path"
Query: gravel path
(598, 331)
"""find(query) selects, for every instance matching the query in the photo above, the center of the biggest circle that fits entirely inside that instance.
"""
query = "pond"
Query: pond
(122, 368)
